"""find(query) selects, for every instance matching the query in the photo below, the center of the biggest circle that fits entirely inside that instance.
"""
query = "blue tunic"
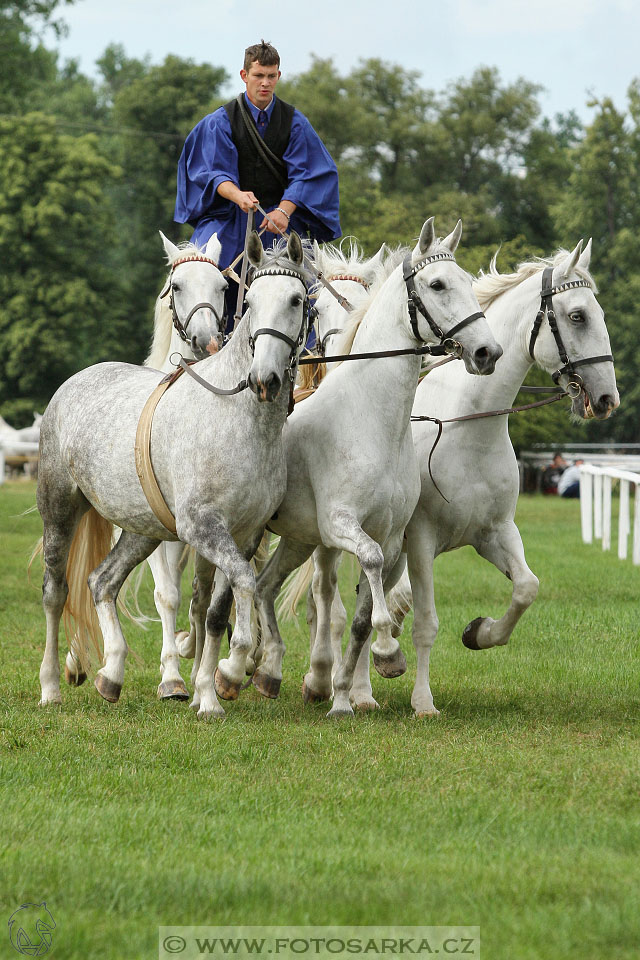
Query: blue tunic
(209, 157)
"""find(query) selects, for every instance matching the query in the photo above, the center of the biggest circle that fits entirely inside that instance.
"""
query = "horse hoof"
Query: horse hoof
(107, 689)
(470, 634)
(390, 667)
(430, 712)
(365, 705)
(266, 685)
(309, 695)
(54, 701)
(226, 689)
(338, 713)
(213, 713)
(75, 678)
(172, 690)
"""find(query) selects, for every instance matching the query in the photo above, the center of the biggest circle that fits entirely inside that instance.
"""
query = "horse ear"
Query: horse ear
(254, 250)
(452, 241)
(585, 256)
(427, 238)
(569, 264)
(374, 264)
(169, 248)
(294, 248)
(213, 248)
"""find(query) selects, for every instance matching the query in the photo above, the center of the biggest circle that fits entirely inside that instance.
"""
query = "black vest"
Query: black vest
(254, 173)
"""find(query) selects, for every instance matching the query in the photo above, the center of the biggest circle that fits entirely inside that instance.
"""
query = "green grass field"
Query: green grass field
(517, 810)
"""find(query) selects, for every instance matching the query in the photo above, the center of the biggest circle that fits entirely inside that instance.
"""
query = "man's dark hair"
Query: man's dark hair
(264, 53)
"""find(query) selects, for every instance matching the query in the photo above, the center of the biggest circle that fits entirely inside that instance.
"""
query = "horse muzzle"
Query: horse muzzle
(482, 361)
(266, 388)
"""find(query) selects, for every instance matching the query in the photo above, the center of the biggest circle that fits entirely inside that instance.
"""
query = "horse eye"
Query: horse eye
(176, 287)
(577, 317)
(437, 285)
(296, 300)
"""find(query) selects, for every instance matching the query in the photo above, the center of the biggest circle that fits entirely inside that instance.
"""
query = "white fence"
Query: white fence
(596, 485)
(15, 453)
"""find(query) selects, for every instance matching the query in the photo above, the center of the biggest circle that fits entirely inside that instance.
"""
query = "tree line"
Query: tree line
(88, 173)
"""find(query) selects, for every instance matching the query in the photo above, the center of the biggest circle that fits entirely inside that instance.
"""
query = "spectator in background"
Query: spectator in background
(553, 472)
(569, 482)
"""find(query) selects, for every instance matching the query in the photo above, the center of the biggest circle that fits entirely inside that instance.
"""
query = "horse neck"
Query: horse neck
(390, 382)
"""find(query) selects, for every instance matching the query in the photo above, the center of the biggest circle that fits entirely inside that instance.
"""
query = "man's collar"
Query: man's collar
(256, 110)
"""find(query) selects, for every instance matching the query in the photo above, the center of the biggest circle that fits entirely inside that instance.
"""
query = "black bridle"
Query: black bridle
(307, 315)
(447, 342)
(576, 384)
(183, 325)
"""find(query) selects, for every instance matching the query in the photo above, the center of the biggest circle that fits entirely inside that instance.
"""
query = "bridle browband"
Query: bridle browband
(447, 342)
(306, 314)
(575, 385)
(182, 326)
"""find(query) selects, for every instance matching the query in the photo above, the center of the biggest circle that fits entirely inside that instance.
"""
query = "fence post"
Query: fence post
(606, 512)
(597, 506)
(623, 520)
(586, 505)
(636, 526)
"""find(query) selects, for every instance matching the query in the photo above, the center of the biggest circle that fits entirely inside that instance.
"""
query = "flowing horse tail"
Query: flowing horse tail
(91, 543)
(294, 589)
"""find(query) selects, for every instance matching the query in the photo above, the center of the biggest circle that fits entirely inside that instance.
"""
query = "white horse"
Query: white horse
(352, 474)
(474, 464)
(218, 460)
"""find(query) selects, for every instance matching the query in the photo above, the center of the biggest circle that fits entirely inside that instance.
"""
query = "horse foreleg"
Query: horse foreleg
(288, 556)
(504, 549)
(105, 583)
(317, 682)
(420, 557)
(217, 618)
(166, 596)
(347, 534)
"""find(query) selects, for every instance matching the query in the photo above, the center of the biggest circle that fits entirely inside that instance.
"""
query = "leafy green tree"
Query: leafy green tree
(56, 302)
(25, 63)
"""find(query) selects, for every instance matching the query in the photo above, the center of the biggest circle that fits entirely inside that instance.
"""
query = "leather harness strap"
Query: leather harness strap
(144, 465)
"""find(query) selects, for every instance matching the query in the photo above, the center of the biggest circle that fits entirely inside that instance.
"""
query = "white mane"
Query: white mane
(488, 286)
(344, 340)
(162, 319)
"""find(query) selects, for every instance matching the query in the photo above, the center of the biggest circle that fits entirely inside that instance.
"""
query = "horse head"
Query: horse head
(442, 305)
(196, 290)
(277, 302)
(575, 336)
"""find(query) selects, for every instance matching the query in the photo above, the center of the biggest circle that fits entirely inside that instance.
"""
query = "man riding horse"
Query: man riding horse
(256, 149)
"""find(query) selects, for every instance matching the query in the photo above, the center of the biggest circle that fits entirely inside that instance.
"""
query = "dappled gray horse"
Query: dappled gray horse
(218, 461)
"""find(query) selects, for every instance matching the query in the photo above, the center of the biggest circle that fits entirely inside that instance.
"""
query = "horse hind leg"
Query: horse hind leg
(505, 550)
(61, 507)
(105, 583)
